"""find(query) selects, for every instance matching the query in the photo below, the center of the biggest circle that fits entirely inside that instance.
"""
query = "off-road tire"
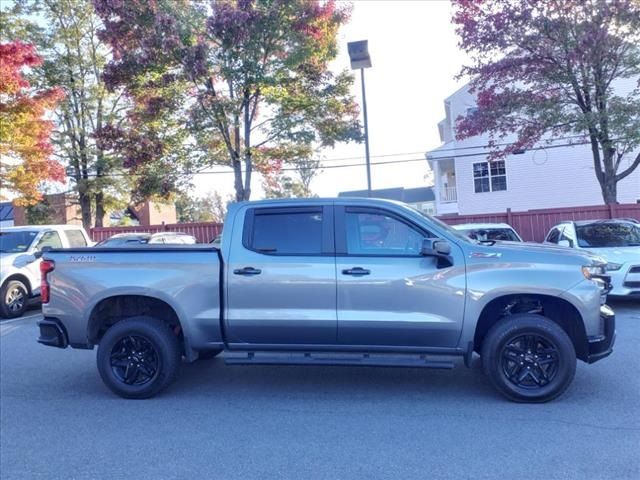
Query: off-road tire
(533, 347)
(155, 344)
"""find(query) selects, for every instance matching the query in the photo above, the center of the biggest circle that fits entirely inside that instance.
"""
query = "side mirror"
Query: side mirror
(441, 249)
(564, 243)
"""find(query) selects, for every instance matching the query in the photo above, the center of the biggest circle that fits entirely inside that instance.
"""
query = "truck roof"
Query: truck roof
(310, 201)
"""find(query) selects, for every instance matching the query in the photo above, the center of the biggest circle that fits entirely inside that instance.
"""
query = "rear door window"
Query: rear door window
(75, 238)
(288, 231)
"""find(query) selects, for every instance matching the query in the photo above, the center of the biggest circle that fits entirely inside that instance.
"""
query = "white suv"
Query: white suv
(489, 232)
(20, 262)
(617, 241)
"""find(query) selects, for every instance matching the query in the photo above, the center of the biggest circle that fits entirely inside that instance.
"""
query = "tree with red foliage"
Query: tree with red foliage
(250, 76)
(552, 67)
(25, 147)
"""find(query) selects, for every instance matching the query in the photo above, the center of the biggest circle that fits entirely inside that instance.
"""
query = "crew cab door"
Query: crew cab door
(388, 293)
(281, 277)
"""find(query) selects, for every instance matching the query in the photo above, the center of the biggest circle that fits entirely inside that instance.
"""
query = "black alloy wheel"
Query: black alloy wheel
(134, 360)
(530, 361)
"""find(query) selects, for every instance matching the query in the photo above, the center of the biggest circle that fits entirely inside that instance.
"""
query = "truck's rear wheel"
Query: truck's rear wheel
(529, 358)
(138, 357)
(15, 297)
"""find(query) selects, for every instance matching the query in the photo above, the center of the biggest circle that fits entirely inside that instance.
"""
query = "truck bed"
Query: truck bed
(185, 278)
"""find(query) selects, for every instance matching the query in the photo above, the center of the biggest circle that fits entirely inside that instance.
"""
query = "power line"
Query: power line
(351, 165)
(458, 149)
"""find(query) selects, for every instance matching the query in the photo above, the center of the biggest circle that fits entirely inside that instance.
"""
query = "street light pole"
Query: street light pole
(360, 59)
(366, 133)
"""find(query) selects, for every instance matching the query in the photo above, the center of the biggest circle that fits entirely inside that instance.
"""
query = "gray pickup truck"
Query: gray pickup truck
(331, 282)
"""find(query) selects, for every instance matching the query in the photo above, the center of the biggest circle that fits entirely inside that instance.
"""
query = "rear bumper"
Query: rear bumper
(52, 333)
(601, 346)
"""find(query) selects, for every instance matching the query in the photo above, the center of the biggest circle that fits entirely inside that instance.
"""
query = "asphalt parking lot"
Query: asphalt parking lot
(57, 420)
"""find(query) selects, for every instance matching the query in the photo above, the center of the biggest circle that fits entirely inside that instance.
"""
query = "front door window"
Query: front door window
(380, 234)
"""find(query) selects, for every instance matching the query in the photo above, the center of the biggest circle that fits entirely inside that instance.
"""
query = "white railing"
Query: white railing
(448, 194)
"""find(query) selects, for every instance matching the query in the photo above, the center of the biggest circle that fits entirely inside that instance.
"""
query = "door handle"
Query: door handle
(247, 271)
(356, 271)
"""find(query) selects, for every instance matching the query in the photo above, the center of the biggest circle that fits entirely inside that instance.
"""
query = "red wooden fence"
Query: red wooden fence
(532, 225)
(204, 232)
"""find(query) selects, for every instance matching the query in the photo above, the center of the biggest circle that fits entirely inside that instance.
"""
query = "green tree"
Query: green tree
(278, 184)
(259, 86)
(210, 208)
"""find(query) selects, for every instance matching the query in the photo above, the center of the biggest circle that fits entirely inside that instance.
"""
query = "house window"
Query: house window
(489, 176)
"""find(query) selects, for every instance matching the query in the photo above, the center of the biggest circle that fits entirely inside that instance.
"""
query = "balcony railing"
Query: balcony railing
(448, 195)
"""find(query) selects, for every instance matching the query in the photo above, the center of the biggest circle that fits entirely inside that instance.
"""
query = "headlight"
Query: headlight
(589, 271)
(610, 267)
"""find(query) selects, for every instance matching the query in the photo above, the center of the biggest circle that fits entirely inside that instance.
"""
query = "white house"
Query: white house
(550, 176)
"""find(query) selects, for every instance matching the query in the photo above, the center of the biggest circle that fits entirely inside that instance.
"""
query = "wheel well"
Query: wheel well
(111, 310)
(554, 308)
(21, 278)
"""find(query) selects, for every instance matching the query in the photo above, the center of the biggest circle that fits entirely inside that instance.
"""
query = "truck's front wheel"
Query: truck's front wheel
(138, 357)
(529, 358)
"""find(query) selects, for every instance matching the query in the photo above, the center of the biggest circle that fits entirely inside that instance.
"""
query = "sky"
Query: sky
(415, 59)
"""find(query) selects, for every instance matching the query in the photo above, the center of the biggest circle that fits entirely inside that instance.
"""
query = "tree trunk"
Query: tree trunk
(248, 164)
(99, 199)
(237, 173)
(85, 209)
(609, 188)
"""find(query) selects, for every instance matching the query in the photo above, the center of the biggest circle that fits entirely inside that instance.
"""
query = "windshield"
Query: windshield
(16, 242)
(490, 234)
(608, 234)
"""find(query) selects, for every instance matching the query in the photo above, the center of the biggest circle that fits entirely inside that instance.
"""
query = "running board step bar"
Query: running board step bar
(323, 358)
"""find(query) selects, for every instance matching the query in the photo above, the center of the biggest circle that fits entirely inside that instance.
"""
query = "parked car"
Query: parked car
(142, 238)
(19, 262)
(487, 232)
(617, 241)
(331, 282)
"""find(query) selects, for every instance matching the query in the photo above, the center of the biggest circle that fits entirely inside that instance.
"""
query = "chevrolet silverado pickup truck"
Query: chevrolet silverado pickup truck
(331, 282)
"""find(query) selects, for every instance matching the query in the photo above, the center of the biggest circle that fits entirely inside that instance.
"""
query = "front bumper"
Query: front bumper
(52, 333)
(625, 282)
(601, 346)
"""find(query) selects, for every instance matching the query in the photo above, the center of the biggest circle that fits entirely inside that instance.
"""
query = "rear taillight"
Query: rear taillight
(46, 266)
